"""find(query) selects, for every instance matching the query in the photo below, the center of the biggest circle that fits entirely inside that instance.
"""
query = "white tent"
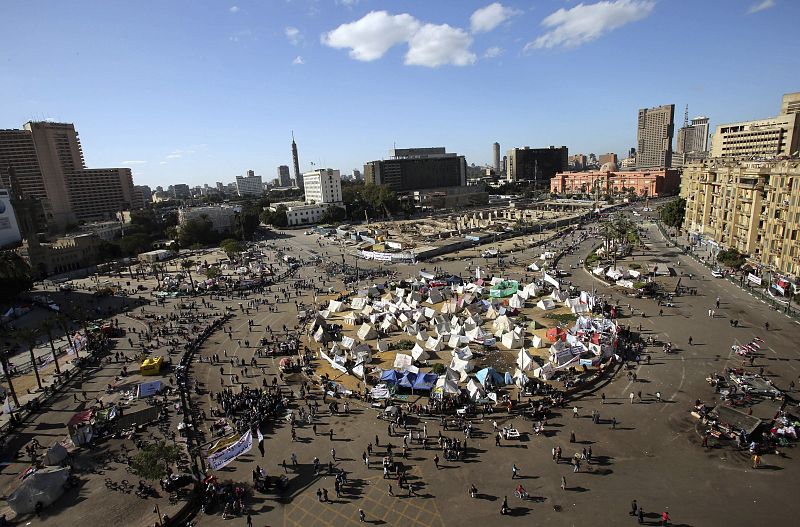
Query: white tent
(382, 346)
(491, 313)
(336, 307)
(422, 335)
(475, 390)
(367, 332)
(348, 342)
(434, 296)
(476, 334)
(429, 313)
(511, 340)
(402, 361)
(368, 310)
(412, 329)
(433, 344)
(516, 302)
(501, 323)
(361, 353)
(320, 335)
(455, 341)
(325, 313)
(387, 325)
(44, 486)
(559, 296)
(524, 360)
(446, 386)
(419, 354)
(545, 304)
(458, 364)
(533, 267)
(463, 353)
(351, 319)
(523, 294)
(538, 342)
(532, 289)
(358, 303)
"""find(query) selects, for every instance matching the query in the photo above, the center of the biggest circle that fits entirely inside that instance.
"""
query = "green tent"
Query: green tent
(504, 289)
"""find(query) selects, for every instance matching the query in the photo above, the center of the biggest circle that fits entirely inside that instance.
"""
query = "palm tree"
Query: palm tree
(7, 371)
(28, 336)
(187, 266)
(63, 323)
(47, 326)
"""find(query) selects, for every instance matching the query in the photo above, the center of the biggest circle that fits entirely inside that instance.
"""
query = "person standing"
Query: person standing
(634, 508)
(563, 483)
(249, 520)
(361, 516)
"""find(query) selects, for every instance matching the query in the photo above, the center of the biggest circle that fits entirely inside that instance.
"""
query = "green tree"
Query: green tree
(213, 272)
(333, 215)
(276, 218)
(47, 327)
(673, 213)
(230, 246)
(28, 337)
(731, 258)
(187, 265)
(198, 230)
(153, 460)
(15, 275)
(133, 244)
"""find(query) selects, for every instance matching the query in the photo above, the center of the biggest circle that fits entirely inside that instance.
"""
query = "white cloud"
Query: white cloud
(584, 23)
(436, 45)
(761, 6)
(370, 37)
(174, 155)
(493, 52)
(294, 35)
(489, 17)
(234, 9)
(162, 162)
(298, 60)
(348, 3)
(134, 162)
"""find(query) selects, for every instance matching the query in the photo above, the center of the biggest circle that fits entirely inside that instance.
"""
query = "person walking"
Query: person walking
(391, 492)
(603, 398)
(664, 519)
(514, 471)
(249, 520)
(436, 461)
(640, 517)
(361, 516)
(563, 483)
(632, 396)
(333, 454)
(690, 341)
(634, 508)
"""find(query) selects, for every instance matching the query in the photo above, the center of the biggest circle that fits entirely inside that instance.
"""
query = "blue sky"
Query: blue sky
(200, 91)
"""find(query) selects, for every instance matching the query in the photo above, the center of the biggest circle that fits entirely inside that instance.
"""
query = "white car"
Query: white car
(717, 274)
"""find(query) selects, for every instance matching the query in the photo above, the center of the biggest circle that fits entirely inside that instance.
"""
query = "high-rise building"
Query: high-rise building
(654, 136)
(693, 137)
(68, 190)
(762, 138)
(180, 191)
(323, 185)
(412, 169)
(297, 179)
(750, 206)
(496, 152)
(357, 176)
(790, 103)
(608, 158)
(18, 157)
(249, 185)
(284, 178)
(577, 162)
(537, 165)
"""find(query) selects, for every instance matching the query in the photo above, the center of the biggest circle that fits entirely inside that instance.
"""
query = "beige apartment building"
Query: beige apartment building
(47, 162)
(751, 206)
(762, 138)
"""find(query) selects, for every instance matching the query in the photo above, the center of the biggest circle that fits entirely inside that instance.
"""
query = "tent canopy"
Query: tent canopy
(489, 375)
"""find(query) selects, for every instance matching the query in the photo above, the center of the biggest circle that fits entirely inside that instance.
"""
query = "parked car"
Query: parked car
(716, 273)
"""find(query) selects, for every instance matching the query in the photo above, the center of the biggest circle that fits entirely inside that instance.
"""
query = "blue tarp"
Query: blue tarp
(390, 376)
(425, 381)
(491, 375)
(508, 379)
(407, 381)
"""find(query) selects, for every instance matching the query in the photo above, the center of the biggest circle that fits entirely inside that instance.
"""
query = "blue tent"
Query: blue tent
(390, 376)
(489, 375)
(455, 280)
(425, 381)
(407, 381)
(508, 379)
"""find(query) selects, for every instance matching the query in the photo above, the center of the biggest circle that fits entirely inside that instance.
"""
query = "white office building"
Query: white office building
(249, 185)
(323, 186)
(222, 217)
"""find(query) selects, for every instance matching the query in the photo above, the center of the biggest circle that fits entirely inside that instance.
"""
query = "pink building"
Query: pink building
(652, 182)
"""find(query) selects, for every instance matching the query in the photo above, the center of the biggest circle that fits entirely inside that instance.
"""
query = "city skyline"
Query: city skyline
(202, 98)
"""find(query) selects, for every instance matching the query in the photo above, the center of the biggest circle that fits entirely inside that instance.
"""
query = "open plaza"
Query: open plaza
(556, 375)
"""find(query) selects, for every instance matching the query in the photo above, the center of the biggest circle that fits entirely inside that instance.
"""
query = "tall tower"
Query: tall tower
(654, 137)
(297, 178)
(496, 158)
